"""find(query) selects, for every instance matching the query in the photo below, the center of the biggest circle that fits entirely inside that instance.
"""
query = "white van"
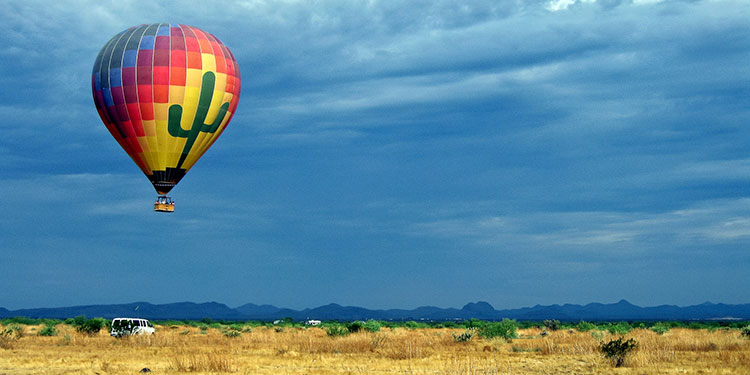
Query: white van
(131, 326)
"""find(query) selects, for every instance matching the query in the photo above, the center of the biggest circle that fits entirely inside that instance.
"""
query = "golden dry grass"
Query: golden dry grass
(187, 350)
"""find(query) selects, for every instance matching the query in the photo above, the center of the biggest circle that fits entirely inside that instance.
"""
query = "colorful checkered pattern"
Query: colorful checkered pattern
(159, 89)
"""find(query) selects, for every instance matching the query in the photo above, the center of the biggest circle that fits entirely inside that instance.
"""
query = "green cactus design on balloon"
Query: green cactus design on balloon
(204, 102)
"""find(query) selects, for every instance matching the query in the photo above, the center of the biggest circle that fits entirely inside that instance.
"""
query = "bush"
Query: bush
(232, 333)
(464, 337)
(21, 320)
(660, 328)
(16, 330)
(372, 325)
(620, 328)
(8, 337)
(552, 325)
(412, 325)
(75, 322)
(48, 330)
(52, 322)
(584, 326)
(92, 326)
(745, 332)
(616, 350)
(337, 331)
(355, 326)
(505, 330)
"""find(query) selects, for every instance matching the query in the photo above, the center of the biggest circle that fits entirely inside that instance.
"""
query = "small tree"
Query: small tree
(745, 332)
(616, 350)
(505, 330)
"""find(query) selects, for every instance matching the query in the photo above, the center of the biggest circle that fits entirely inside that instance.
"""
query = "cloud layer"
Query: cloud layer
(395, 154)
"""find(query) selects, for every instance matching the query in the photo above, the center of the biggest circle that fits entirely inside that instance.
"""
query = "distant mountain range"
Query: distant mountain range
(622, 310)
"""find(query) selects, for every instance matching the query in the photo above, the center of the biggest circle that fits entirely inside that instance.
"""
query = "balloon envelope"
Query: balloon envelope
(166, 93)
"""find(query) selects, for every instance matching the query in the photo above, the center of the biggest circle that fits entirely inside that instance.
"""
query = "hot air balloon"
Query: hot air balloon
(165, 92)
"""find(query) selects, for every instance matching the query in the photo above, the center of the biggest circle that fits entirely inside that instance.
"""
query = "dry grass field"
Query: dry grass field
(189, 350)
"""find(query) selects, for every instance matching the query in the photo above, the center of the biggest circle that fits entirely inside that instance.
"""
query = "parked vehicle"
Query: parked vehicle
(131, 326)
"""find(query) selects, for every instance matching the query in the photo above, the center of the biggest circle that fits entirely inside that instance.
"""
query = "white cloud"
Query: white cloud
(708, 223)
(557, 5)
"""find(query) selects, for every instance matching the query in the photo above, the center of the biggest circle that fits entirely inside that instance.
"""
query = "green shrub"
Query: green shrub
(552, 325)
(464, 337)
(53, 322)
(620, 328)
(584, 326)
(505, 330)
(337, 331)
(76, 322)
(355, 326)
(660, 328)
(450, 324)
(232, 333)
(745, 332)
(17, 330)
(92, 326)
(412, 325)
(48, 330)
(21, 320)
(372, 325)
(616, 350)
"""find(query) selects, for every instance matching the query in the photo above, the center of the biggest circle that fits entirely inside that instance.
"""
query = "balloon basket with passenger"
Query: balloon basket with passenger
(164, 204)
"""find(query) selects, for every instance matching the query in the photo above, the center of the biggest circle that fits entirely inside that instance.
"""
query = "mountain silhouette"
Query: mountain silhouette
(622, 310)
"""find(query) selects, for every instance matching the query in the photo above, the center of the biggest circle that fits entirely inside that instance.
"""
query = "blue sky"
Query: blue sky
(393, 154)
